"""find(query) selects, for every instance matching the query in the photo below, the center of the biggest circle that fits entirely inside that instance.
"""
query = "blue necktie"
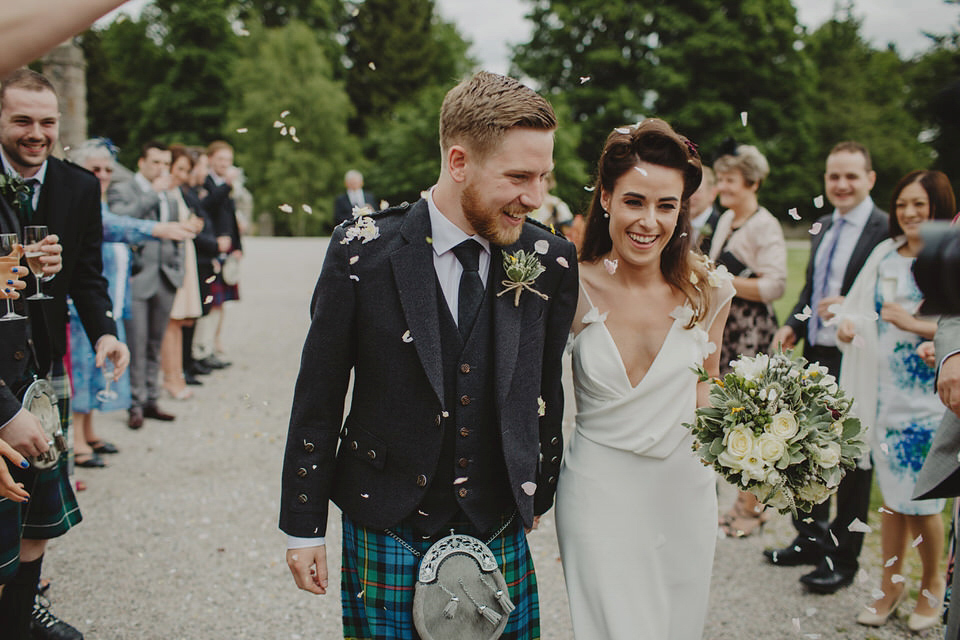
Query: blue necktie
(821, 278)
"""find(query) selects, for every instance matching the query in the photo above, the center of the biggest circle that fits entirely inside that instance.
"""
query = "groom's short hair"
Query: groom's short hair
(479, 111)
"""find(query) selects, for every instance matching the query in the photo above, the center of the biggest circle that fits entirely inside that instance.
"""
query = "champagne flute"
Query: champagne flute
(10, 249)
(32, 235)
(107, 394)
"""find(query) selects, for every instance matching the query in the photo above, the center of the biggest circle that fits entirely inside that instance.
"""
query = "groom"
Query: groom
(455, 419)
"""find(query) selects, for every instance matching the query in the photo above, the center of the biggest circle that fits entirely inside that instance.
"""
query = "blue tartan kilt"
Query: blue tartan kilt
(52, 509)
(378, 578)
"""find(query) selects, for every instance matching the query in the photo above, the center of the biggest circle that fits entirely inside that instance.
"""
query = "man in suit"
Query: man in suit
(703, 210)
(354, 196)
(837, 253)
(157, 274)
(455, 420)
(66, 199)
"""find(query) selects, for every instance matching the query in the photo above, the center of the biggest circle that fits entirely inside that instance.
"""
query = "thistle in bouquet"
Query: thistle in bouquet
(779, 427)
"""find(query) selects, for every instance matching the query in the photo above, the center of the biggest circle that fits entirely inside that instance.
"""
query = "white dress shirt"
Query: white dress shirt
(145, 186)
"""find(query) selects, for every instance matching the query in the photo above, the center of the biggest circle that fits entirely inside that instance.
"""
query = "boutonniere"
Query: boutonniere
(522, 270)
(706, 231)
(363, 227)
(13, 188)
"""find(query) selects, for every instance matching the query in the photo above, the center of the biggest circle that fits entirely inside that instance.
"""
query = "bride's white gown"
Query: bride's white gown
(636, 509)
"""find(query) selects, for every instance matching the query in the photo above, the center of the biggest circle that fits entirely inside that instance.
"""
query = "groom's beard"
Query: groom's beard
(488, 223)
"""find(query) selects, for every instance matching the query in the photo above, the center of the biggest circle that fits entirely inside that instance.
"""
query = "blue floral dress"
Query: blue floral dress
(908, 408)
(119, 232)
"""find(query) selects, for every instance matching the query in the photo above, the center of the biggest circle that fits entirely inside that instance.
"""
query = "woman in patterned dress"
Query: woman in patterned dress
(895, 396)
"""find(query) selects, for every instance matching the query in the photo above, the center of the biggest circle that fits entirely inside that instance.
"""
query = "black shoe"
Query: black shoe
(89, 460)
(102, 446)
(825, 580)
(135, 418)
(198, 368)
(191, 379)
(215, 363)
(46, 626)
(793, 555)
(152, 411)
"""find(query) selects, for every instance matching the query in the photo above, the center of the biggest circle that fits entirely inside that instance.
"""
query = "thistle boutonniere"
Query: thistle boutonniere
(522, 270)
(706, 231)
(13, 188)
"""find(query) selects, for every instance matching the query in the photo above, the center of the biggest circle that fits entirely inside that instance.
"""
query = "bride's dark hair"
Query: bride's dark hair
(653, 141)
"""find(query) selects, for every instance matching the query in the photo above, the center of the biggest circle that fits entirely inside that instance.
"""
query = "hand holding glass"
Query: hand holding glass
(107, 394)
(10, 251)
(32, 237)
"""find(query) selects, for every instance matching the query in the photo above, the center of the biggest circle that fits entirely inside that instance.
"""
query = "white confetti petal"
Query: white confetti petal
(641, 170)
(833, 537)
(294, 557)
(406, 336)
(242, 130)
(283, 131)
(885, 510)
(897, 578)
(793, 213)
(623, 130)
(743, 117)
(815, 228)
(563, 262)
(295, 138)
(818, 202)
(917, 541)
(284, 113)
(445, 414)
(796, 624)
(877, 594)
(829, 562)
(811, 611)
(285, 208)
(529, 488)
(541, 247)
(885, 448)
(306, 208)
(243, 33)
(277, 124)
(210, 279)
(360, 595)
(610, 265)
(804, 315)
(588, 188)
(372, 66)
(384, 204)
(354, 259)
(584, 79)
(932, 599)
(889, 563)
(423, 513)
(364, 495)
(293, 131)
(859, 527)
(109, 313)
(460, 480)
(208, 300)
(355, 277)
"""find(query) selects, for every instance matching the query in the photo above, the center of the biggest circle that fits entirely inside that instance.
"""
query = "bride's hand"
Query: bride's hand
(536, 524)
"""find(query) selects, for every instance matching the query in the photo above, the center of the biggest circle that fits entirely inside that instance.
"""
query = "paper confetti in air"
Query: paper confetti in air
(364, 496)
(277, 124)
(445, 414)
(793, 213)
(293, 131)
(829, 562)
(833, 537)
(306, 208)
(208, 300)
(932, 599)
(529, 488)
(541, 247)
(885, 510)
(109, 313)
(423, 513)
(885, 448)
(804, 315)
(406, 336)
(610, 265)
(584, 79)
(372, 66)
(623, 130)
(917, 541)
(242, 130)
(889, 563)
(818, 202)
(796, 623)
(354, 277)
(815, 228)
(460, 480)
(588, 188)
(210, 279)
(743, 117)
(859, 527)
(295, 138)
(642, 171)
(563, 262)
(285, 208)
(541, 407)
(360, 595)
(283, 131)
(877, 594)
(897, 578)
(354, 259)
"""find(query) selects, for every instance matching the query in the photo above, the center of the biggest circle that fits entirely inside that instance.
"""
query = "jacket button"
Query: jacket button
(421, 480)
(308, 447)
(354, 445)
(552, 480)
(463, 493)
(18, 355)
(464, 368)
(462, 463)
(555, 441)
(302, 498)
(464, 432)
(302, 472)
(464, 400)
(372, 454)
(555, 460)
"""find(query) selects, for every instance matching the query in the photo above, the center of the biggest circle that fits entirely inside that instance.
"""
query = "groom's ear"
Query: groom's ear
(457, 160)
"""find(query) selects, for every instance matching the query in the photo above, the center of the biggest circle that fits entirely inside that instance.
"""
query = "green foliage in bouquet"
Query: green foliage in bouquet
(779, 428)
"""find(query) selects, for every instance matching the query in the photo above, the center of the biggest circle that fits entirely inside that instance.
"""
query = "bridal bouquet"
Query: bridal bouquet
(779, 428)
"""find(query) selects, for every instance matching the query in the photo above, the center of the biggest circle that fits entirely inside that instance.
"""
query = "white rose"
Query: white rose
(740, 442)
(829, 455)
(814, 492)
(783, 425)
(771, 447)
(751, 368)
(730, 461)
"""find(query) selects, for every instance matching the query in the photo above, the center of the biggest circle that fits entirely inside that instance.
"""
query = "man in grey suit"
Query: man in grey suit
(157, 274)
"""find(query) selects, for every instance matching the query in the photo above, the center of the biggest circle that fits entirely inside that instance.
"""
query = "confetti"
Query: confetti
(932, 599)
(793, 213)
(885, 448)
(208, 300)
(210, 279)
(445, 414)
(642, 171)
(277, 124)
(460, 480)
(588, 188)
(743, 117)
(624, 130)
(284, 113)
(541, 247)
(109, 313)
(354, 259)
(295, 557)
(897, 578)
(423, 513)
(293, 131)
(295, 138)
(862, 576)
(364, 495)
(804, 315)
(242, 130)
(283, 131)
(610, 265)
(354, 12)
(406, 336)
(354, 277)
(429, 240)
(563, 262)
(796, 623)
(683, 235)
(877, 594)
(917, 541)
(815, 228)
(859, 527)
(541, 407)
(889, 563)
(360, 595)
(836, 543)
(829, 562)
(818, 202)
(529, 488)
(584, 79)
(811, 611)
(285, 208)
(372, 66)
(885, 510)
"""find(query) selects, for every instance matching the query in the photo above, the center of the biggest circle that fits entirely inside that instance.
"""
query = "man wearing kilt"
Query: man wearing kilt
(455, 418)
(66, 199)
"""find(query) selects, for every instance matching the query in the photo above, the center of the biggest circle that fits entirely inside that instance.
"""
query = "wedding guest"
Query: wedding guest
(839, 245)
(749, 242)
(354, 196)
(186, 306)
(895, 394)
(554, 212)
(704, 213)
(637, 562)
(98, 155)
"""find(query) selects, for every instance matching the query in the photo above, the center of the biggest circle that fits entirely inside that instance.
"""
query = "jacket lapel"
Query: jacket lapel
(874, 230)
(9, 220)
(416, 280)
(506, 326)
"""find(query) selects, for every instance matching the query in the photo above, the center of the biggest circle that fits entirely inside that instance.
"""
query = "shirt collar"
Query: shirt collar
(217, 180)
(142, 181)
(447, 235)
(857, 217)
(39, 176)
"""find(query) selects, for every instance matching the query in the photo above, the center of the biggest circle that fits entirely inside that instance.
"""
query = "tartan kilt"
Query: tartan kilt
(52, 509)
(378, 578)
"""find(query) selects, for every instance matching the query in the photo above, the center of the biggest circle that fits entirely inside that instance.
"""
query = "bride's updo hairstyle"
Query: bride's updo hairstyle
(653, 141)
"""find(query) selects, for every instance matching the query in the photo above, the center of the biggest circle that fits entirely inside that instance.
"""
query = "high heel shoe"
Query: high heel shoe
(875, 619)
(917, 622)
(735, 524)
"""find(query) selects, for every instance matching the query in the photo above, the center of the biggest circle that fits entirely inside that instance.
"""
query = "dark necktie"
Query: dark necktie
(821, 278)
(25, 201)
(471, 287)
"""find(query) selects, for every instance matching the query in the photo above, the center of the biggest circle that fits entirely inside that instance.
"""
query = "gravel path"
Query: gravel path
(180, 539)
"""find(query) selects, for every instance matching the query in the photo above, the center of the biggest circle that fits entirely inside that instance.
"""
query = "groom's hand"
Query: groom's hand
(309, 568)
(536, 523)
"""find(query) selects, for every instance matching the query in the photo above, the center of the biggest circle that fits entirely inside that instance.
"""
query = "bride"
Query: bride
(636, 510)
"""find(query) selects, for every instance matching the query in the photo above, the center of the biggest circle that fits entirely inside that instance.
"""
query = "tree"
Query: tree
(696, 63)
(283, 76)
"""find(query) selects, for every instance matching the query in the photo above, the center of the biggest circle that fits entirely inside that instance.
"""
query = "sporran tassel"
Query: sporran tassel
(503, 598)
(489, 614)
(450, 610)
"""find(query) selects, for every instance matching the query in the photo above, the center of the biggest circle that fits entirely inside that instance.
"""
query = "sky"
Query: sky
(493, 25)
